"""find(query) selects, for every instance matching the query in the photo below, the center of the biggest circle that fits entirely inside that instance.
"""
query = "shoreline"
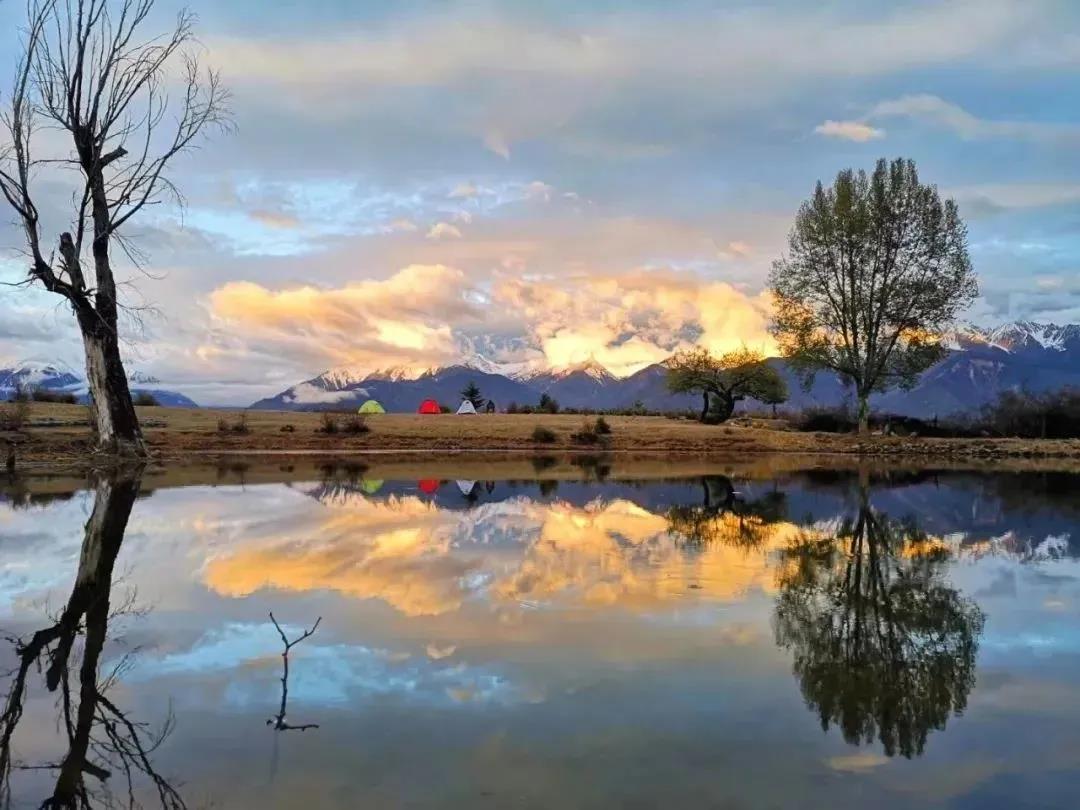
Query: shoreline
(57, 439)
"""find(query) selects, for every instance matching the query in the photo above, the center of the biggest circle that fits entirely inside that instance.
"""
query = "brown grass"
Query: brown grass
(58, 434)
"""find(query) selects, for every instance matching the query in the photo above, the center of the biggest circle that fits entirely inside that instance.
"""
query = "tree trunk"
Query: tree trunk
(112, 413)
(723, 408)
(705, 406)
(864, 414)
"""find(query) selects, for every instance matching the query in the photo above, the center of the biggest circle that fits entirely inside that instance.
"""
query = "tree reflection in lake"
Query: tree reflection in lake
(883, 646)
(725, 517)
(100, 737)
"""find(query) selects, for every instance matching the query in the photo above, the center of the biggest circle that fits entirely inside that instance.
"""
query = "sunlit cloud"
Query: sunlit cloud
(444, 230)
(857, 131)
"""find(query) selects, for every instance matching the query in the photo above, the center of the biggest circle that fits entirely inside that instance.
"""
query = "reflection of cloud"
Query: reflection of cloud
(412, 556)
(320, 674)
(854, 763)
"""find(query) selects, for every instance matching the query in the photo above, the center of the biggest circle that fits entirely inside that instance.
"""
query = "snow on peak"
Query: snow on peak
(590, 367)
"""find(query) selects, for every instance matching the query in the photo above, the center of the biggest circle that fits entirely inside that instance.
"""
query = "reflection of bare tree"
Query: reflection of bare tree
(100, 736)
(278, 721)
(883, 646)
(724, 517)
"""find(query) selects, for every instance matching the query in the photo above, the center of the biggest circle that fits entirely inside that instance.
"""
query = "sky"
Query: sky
(408, 184)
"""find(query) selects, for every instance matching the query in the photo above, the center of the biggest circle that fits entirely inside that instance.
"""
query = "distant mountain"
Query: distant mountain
(981, 364)
(56, 378)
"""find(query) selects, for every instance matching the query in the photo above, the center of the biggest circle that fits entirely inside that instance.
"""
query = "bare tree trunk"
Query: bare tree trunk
(705, 406)
(864, 414)
(111, 408)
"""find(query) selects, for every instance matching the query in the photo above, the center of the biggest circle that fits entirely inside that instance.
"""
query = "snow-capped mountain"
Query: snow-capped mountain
(981, 364)
(60, 379)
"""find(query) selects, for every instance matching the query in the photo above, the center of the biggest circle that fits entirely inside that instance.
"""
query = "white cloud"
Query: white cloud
(849, 131)
(938, 112)
(444, 230)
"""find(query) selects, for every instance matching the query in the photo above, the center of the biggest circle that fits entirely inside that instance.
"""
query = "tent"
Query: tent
(429, 406)
(371, 406)
(429, 486)
(466, 407)
(371, 485)
(466, 487)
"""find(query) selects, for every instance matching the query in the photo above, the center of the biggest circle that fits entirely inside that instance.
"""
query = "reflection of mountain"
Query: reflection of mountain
(883, 647)
(425, 560)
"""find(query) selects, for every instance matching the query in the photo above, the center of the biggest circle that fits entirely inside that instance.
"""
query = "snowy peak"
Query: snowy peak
(590, 368)
(346, 377)
(37, 375)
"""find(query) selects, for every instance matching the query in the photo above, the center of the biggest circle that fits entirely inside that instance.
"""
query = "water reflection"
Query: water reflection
(883, 646)
(472, 619)
(102, 739)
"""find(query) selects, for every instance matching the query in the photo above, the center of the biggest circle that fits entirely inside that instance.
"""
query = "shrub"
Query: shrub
(15, 415)
(826, 420)
(1053, 415)
(328, 424)
(288, 428)
(445, 408)
(602, 427)
(587, 435)
(355, 425)
(543, 435)
(146, 400)
(238, 425)
(548, 405)
(57, 397)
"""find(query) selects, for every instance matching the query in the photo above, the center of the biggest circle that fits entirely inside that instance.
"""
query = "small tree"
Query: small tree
(471, 392)
(721, 381)
(548, 405)
(877, 268)
(773, 391)
(89, 75)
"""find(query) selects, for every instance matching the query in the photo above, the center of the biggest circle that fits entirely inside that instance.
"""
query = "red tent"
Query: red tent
(429, 486)
(429, 406)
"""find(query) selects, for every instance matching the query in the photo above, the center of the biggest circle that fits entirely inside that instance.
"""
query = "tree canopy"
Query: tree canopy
(723, 381)
(471, 392)
(877, 268)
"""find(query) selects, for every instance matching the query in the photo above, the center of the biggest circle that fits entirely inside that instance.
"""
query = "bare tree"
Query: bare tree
(278, 721)
(88, 72)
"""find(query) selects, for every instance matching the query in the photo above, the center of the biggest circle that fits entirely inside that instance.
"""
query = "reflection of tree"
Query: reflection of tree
(724, 517)
(883, 646)
(100, 736)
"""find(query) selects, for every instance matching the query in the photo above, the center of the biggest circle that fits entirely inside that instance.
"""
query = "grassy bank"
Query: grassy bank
(57, 434)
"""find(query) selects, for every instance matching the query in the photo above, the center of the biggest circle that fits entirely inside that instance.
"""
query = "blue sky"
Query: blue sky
(407, 182)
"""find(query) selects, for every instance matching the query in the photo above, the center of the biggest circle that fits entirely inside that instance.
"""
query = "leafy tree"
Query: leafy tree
(91, 78)
(877, 268)
(548, 405)
(883, 647)
(724, 518)
(472, 393)
(722, 381)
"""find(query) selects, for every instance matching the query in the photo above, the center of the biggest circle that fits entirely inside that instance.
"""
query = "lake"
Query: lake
(551, 635)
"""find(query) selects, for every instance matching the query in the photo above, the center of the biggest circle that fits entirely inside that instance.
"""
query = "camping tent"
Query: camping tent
(429, 406)
(429, 486)
(371, 485)
(466, 407)
(371, 406)
(466, 487)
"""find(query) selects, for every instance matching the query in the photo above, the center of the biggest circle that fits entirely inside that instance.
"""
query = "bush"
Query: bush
(543, 435)
(288, 428)
(355, 425)
(145, 399)
(239, 425)
(445, 408)
(1053, 415)
(587, 435)
(548, 405)
(602, 427)
(15, 415)
(826, 420)
(56, 397)
(328, 424)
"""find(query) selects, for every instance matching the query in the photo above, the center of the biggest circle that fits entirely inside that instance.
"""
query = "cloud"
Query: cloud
(275, 219)
(940, 113)
(444, 230)
(849, 131)
(495, 142)
(402, 226)
(401, 320)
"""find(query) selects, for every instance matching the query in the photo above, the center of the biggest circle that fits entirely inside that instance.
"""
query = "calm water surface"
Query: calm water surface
(813, 639)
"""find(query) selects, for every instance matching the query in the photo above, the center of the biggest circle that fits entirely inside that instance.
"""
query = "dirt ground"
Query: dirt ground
(57, 436)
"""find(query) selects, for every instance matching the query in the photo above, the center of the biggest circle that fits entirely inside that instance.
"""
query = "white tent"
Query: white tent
(466, 487)
(466, 407)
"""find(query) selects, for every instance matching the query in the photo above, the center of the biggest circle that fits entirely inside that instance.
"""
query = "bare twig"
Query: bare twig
(278, 721)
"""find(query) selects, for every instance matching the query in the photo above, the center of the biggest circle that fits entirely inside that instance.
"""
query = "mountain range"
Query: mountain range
(57, 379)
(979, 366)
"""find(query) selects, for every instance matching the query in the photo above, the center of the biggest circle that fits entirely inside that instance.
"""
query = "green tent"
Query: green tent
(371, 485)
(371, 406)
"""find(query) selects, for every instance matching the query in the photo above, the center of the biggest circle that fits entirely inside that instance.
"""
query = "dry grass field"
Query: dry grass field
(58, 435)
